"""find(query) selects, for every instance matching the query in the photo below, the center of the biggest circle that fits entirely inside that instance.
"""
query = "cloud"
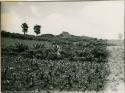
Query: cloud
(96, 19)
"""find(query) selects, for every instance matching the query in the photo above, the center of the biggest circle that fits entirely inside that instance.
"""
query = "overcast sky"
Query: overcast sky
(100, 19)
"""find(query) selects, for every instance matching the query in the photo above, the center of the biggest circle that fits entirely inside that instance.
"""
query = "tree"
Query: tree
(24, 28)
(37, 29)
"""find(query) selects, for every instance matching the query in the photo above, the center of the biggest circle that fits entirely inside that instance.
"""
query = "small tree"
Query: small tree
(24, 28)
(37, 29)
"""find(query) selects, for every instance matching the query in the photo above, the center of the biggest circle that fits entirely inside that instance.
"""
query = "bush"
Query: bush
(38, 46)
(21, 47)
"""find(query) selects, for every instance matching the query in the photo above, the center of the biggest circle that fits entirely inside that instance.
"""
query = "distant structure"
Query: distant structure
(65, 34)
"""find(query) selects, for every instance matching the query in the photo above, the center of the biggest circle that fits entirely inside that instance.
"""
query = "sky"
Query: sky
(99, 19)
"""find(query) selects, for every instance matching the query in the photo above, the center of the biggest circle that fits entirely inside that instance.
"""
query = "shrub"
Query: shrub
(38, 46)
(21, 47)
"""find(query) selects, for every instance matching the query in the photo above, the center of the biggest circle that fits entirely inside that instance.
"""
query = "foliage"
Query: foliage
(37, 29)
(80, 64)
(37, 46)
(24, 74)
(24, 28)
(21, 47)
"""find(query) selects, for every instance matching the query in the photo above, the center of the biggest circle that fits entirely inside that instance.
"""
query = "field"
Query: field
(6, 42)
(116, 80)
(87, 66)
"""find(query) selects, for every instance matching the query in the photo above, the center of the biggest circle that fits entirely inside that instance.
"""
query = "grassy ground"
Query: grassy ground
(116, 78)
(116, 65)
(6, 42)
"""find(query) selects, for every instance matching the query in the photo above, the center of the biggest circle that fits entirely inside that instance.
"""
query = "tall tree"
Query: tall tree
(37, 29)
(24, 28)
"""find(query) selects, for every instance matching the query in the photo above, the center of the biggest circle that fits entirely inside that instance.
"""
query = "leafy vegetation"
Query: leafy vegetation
(60, 63)
(24, 28)
(37, 29)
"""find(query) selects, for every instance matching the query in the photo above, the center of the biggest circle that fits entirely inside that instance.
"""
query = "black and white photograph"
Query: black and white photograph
(71, 46)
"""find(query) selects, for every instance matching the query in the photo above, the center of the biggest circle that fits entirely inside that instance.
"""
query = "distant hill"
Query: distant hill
(63, 37)
(68, 35)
